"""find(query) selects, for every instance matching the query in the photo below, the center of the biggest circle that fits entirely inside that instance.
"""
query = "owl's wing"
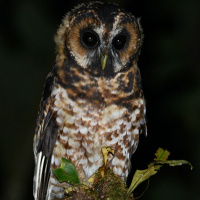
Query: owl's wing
(44, 141)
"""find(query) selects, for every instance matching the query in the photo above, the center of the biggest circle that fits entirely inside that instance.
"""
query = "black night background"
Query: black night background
(170, 69)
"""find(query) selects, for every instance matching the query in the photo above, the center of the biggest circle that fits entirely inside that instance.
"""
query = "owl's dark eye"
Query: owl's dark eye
(89, 39)
(119, 42)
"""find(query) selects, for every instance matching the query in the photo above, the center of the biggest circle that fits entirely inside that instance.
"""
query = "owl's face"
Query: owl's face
(101, 38)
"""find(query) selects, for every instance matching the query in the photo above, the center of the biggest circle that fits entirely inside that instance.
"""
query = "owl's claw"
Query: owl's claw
(105, 151)
(69, 189)
(91, 179)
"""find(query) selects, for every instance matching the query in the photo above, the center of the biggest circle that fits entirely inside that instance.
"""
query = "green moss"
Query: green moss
(110, 187)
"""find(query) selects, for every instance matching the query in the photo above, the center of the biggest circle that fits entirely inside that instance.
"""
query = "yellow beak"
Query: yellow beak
(104, 59)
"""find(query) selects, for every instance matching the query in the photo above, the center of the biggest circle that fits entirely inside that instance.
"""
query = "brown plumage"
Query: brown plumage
(92, 98)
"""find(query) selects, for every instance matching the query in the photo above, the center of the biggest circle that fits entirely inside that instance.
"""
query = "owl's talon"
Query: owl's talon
(69, 189)
(91, 179)
(105, 152)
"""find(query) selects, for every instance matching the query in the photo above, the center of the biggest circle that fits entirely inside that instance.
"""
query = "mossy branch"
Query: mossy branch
(107, 185)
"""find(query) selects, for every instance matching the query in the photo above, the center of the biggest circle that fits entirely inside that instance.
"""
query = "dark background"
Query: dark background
(170, 69)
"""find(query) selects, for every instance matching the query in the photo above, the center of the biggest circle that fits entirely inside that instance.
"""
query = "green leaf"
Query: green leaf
(176, 163)
(160, 159)
(66, 172)
(140, 176)
(161, 154)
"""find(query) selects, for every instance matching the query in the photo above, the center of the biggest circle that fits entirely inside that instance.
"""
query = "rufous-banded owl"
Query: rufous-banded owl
(92, 97)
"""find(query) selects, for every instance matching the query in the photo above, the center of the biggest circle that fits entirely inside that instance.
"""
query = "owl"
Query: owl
(92, 97)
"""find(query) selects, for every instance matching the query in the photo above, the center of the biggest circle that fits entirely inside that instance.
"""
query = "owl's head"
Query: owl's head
(101, 38)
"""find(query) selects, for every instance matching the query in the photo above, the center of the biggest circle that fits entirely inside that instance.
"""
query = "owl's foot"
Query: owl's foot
(105, 152)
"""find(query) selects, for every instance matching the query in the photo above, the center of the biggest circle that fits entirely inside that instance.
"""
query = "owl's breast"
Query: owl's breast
(88, 126)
